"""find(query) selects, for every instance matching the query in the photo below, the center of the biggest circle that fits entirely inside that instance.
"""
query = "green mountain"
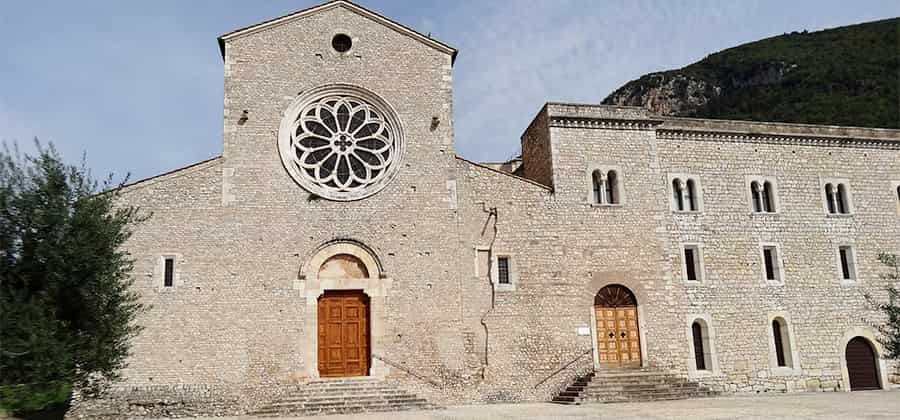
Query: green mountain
(841, 76)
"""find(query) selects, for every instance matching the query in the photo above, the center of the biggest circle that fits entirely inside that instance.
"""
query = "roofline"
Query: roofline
(362, 11)
(167, 173)
(726, 126)
(535, 183)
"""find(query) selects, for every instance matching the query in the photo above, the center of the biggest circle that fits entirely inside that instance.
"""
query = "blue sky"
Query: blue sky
(137, 85)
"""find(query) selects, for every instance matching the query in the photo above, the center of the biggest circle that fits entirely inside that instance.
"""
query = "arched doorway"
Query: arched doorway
(618, 335)
(343, 318)
(862, 367)
(344, 287)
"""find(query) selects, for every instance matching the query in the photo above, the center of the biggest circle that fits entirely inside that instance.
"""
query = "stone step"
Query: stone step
(649, 397)
(331, 394)
(353, 400)
(639, 388)
(343, 395)
(360, 408)
(629, 385)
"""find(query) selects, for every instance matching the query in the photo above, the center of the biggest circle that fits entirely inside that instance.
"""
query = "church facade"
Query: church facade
(340, 235)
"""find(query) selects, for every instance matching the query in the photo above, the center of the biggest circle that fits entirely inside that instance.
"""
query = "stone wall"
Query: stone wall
(235, 329)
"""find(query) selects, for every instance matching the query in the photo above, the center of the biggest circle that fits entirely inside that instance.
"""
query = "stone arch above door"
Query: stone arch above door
(870, 336)
(346, 250)
(342, 266)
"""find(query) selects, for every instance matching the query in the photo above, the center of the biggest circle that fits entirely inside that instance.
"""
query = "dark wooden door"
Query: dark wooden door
(343, 334)
(861, 365)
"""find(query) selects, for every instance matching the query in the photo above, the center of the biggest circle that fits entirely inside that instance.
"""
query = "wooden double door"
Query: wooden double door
(618, 336)
(343, 333)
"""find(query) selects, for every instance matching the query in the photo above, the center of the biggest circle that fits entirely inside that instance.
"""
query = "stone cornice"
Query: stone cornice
(771, 138)
(604, 123)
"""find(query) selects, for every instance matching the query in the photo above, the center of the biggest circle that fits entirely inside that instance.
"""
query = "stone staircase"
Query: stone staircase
(343, 396)
(630, 385)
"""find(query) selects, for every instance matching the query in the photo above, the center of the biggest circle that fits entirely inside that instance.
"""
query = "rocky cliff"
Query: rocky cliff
(842, 76)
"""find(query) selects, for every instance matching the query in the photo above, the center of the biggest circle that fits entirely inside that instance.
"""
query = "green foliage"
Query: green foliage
(29, 398)
(65, 304)
(841, 76)
(890, 330)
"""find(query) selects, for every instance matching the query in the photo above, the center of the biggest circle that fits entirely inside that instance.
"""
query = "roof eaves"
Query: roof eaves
(362, 11)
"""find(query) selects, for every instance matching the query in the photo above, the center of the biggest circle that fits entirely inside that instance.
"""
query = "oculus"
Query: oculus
(340, 142)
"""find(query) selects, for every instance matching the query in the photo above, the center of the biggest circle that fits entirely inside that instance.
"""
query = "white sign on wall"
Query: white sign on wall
(583, 330)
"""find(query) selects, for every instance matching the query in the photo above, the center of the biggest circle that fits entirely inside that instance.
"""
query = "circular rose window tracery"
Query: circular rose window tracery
(340, 142)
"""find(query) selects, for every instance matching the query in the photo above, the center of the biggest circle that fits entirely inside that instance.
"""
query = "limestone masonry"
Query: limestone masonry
(339, 234)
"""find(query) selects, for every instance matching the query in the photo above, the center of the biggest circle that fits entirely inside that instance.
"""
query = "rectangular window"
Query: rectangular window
(770, 262)
(503, 270)
(169, 275)
(846, 257)
(692, 268)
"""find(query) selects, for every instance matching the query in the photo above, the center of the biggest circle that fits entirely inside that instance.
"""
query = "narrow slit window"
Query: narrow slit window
(699, 338)
(503, 270)
(779, 344)
(770, 263)
(847, 268)
(692, 268)
(169, 272)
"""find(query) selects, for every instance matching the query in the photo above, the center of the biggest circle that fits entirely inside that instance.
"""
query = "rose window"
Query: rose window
(340, 143)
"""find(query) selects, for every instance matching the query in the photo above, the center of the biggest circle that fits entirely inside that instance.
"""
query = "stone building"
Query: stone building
(339, 235)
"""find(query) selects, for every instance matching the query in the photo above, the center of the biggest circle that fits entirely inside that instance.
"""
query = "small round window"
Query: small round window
(341, 43)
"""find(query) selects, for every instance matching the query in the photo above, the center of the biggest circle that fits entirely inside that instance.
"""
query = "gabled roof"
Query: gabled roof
(405, 30)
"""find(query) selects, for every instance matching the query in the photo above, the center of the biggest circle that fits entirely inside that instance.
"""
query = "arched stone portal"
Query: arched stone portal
(618, 337)
(345, 288)
(862, 365)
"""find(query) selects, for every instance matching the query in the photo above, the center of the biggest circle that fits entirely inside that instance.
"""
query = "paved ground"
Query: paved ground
(835, 405)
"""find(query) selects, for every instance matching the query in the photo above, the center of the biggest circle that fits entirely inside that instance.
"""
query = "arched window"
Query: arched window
(841, 199)
(782, 343)
(829, 198)
(700, 335)
(677, 197)
(612, 188)
(767, 205)
(691, 195)
(755, 194)
(597, 178)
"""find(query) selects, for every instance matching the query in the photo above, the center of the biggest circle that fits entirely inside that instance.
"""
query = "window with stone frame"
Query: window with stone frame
(836, 194)
(771, 264)
(692, 261)
(686, 193)
(782, 343)
(763, 195)
(846, 263)
(503, 270)
(169, 272)
(606, 186)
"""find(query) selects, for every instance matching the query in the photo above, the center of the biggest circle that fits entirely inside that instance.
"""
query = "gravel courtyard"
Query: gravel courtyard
(840, 405)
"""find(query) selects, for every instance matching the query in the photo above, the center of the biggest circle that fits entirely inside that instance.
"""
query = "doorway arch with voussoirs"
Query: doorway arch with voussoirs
(344, 288)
